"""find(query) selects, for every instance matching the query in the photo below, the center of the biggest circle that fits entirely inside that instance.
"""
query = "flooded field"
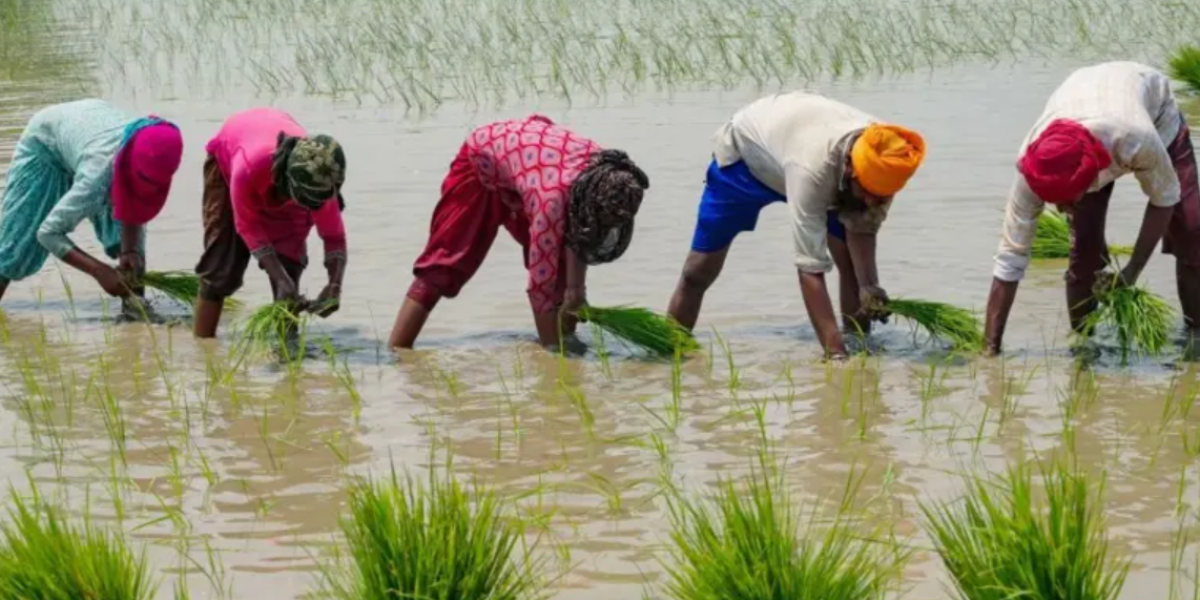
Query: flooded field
(235, 478)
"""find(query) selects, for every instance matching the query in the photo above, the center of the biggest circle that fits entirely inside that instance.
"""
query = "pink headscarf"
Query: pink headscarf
(1063, 162)
(143, 170)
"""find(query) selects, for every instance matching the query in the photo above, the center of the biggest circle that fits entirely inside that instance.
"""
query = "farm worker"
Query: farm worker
(86, 160)
(267, 182)
(1103, 122)
(566, 201)
(837, 168)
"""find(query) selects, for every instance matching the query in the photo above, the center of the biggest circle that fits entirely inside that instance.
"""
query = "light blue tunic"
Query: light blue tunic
(60, 175)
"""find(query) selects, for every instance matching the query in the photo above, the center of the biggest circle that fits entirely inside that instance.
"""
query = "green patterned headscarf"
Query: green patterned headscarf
(309, 170)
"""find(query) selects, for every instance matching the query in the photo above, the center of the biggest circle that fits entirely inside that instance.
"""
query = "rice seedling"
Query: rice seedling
(957, 326)
(1141, 320)
(1053, 238)
(434, 540)
(1184, 65)
(641, 328)
(1000, 542)
(45, 557)
(747, 542)
(181, 286)
(275, 326)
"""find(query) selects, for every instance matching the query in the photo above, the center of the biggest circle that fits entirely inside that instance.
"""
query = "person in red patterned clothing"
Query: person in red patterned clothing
(567, 201)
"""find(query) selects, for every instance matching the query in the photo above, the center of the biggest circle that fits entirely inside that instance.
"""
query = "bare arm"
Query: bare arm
(1000, 302)
(862, 253)
(820, 312)
(1154, 227)
(576, 293)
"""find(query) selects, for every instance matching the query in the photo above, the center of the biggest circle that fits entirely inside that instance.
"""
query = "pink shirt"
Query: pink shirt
(538, 161)
(243, 150)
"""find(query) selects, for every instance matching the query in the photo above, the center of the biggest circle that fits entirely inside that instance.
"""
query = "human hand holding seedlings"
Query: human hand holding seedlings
(1109, 280)
(330, 298)
(282, 285)
(874, 301)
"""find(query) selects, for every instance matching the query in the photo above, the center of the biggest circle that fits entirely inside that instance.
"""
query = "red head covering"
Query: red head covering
(1063, 162)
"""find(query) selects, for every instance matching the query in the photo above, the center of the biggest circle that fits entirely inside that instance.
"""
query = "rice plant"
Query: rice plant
(1053, 238)
(45, 557)
(268, 328)
(432, 541)
(181, 286)
(1001, 542)
(747, 542)
(642, 328)
(957, 326)
(1184, 66)
(1140, 320)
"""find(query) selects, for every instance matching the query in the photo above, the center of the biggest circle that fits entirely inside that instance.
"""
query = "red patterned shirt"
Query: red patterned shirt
(538, 161)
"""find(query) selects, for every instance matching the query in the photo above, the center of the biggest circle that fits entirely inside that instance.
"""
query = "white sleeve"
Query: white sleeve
(1020, 226)
(1154, 169)
(809, 220)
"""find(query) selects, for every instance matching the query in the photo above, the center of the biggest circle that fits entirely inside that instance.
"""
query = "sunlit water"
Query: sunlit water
(254, 465)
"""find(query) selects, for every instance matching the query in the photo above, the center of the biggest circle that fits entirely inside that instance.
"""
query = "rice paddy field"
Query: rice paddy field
(480, 460)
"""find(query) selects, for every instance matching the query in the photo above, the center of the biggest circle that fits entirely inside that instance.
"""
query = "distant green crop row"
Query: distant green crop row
(426, 52)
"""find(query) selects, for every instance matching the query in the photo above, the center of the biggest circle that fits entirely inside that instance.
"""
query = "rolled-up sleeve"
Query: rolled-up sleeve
(809, 219)
(1020, 226)
(84, 199)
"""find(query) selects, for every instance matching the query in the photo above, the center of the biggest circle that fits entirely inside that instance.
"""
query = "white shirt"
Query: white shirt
(797, 144)
(1130, 109)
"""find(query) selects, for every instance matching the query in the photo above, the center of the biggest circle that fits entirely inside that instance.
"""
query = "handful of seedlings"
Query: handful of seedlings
(181, 286)
(1053, 238)
(1185, 66)
(946, 322)
(277, 326)
(1142, 320)
(642, 328)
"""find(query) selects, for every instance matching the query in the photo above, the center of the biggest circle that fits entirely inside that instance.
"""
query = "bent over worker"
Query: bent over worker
(837, 168)
(1103, 122)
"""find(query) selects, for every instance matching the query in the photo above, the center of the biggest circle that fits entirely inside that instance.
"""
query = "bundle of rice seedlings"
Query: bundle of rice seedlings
(1000, 542)
(1185, 66)
(408, 540)
(180, 286)
(1141, 320)
(267, 328)
(642, 328)
(44, 557)
(1053, 238)
(946, 322)
(747, 542)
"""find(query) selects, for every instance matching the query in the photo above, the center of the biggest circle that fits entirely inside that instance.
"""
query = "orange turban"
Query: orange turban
(885, 156)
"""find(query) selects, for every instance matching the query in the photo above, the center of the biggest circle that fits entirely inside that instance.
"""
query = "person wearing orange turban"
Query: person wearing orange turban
(1105, 121)
(837, 169)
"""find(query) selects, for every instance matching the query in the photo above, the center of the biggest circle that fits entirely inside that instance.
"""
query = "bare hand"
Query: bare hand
(573, 300)
(1108, 280)
(112, 282)
(285, 290)
(874, 301)
(328, 302)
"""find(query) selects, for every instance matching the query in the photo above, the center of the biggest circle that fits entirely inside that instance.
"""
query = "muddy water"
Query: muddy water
(252, 465)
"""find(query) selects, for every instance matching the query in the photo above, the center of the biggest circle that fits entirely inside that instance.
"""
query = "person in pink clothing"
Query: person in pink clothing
(567, 201)
(267, 183)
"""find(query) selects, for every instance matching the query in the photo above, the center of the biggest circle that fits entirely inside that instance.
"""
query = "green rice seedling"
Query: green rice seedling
(1053, 238)
(1184, 66)
(642, 328)
(45, 557)
(1000, 542)
(180, 286)
(1141, 320)
(747, 542)
(435, 541)
(270, 327)
(958, 326)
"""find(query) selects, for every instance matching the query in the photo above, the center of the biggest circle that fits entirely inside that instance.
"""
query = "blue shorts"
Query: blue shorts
(732, 199)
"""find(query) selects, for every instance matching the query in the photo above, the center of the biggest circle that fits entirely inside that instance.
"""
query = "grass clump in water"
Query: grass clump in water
(44, 557)
(1000, 542)
(1053, 238)
(1141, 320)
(747, 542)
(642, 328)
(958, 326)
(1185, 66)
(181, 286)
(434, 541)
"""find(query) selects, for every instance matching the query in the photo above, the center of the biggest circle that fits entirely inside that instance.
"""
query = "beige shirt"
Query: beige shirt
(1130, 109)
(797, 144)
